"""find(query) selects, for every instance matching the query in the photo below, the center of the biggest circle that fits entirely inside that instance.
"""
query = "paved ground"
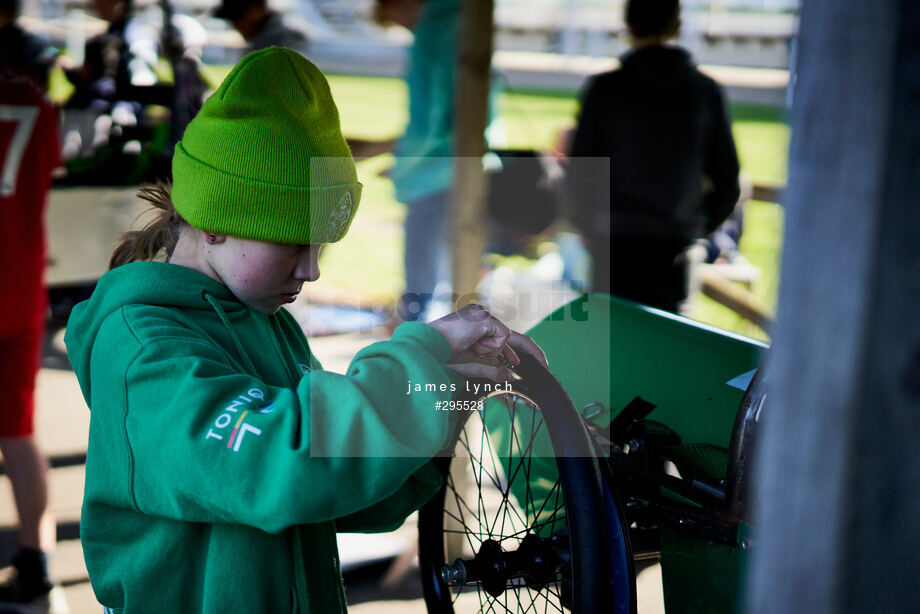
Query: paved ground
(62, 427)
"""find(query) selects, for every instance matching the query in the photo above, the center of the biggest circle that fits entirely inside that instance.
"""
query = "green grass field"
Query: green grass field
(369, 259)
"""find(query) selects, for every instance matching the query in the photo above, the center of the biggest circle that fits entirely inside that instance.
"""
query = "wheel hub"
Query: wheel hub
(536, 562)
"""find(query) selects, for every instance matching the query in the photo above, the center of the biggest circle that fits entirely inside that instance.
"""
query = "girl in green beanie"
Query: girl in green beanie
(222, 459)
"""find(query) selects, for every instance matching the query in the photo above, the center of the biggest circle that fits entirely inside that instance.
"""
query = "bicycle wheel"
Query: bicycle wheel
(534, 526)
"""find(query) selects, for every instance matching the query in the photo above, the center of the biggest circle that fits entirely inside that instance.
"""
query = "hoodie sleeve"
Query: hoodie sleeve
(206, 443)
(389, 514)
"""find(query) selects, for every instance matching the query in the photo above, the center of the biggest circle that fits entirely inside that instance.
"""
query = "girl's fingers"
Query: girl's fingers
(496, 335)
(523, 342)
(510, 355)
(472, 356)
(488, 350)
(496, 342)
(493, 339)
(485, 349)
(473, 369)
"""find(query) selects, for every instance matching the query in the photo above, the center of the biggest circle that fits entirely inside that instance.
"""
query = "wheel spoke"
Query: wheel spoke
(468, 532)
(528, 496)
(457, 594)
(480, 502)
(555, 594)
(461, 520)
(508, 512)
(472, 457)
(526, 452)
(496, 462)
(533, 600)
(552, 517)
(494, 480)
(505, 502)
(459, 498)
(474, 460)
(498, 603)
(545, 501)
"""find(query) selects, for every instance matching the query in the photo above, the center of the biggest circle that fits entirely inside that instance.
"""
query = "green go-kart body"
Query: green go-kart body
(606, 352)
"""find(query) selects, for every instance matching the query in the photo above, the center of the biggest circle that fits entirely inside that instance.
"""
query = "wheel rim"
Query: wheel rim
(514, 546)
(518, 545)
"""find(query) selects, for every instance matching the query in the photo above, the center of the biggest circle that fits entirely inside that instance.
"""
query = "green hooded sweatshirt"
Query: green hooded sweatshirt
(222, 460)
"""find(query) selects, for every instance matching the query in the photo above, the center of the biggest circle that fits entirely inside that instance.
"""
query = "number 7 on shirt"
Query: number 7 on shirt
(24, 119)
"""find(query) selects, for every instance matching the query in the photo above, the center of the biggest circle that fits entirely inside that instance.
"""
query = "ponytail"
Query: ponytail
(160, 235)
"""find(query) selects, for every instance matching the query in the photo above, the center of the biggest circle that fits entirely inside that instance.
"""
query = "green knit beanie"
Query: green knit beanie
(265, 158)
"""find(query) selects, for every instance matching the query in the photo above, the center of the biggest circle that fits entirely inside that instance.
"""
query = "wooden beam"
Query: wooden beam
(838, 473)
(768, 193)
(470, 119)
(739, 300)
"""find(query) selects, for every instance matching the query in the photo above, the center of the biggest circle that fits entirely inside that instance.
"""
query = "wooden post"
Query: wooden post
(474, 54)
(468, 207)
(837, 519)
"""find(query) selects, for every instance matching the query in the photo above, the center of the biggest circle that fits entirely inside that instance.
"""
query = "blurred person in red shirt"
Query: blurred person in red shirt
(29, 153)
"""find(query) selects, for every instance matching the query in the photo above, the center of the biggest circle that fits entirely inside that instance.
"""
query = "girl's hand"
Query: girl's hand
(477, 339)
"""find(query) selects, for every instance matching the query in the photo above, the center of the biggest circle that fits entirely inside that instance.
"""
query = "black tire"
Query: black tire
(563, 554)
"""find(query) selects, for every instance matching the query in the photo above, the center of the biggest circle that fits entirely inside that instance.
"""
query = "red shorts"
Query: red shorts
(20, 355)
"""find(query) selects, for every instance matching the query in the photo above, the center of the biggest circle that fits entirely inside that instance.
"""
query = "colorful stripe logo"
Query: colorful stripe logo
(236, 428)
(240, 429)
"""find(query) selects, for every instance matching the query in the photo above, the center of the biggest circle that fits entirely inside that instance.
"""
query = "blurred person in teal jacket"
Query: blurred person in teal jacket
(423, 170)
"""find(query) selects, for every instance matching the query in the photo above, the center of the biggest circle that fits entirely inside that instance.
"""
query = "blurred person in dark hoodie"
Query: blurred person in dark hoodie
(673, 168)
(261, 26)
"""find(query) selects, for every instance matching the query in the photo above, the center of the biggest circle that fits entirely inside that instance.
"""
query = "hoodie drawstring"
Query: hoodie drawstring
(226, 322)
(300, 593)
(284, 351)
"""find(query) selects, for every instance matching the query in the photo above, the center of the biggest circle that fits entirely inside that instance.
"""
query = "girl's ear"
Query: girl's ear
(213, 239)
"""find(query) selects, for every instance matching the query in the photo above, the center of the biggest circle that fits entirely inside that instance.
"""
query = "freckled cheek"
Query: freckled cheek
(244, 275)
(253, 277)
